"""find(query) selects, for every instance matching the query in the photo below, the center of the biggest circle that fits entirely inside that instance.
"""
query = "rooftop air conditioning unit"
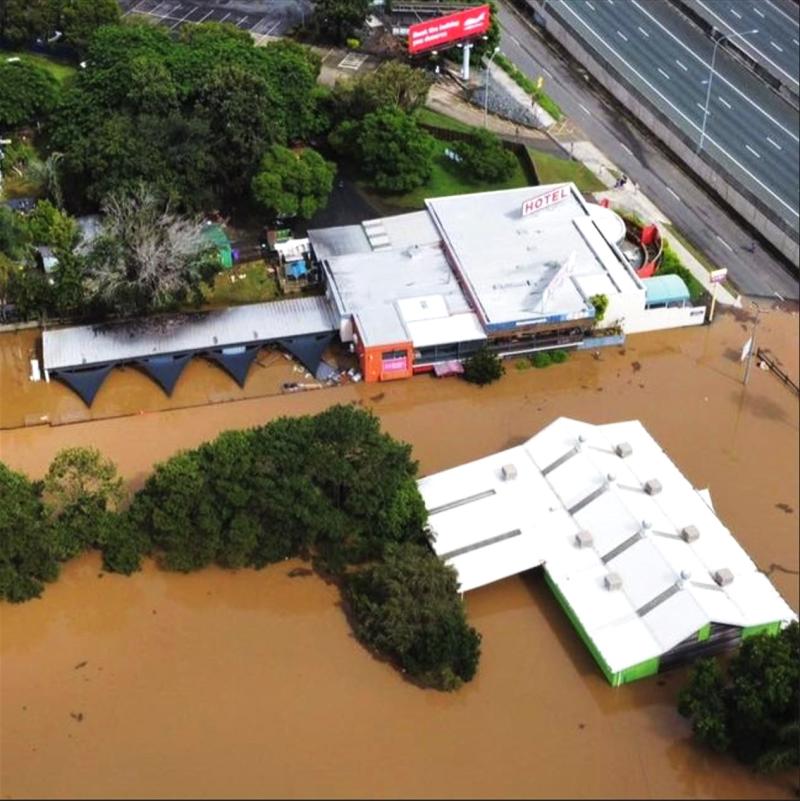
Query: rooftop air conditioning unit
(509, 472)
(583, 539)
(690, 533)
(652, 487)
(623, 449)
(723, 577)
(613, 581)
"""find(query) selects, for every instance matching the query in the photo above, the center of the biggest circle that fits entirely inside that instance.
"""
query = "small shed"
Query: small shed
(665, 290)
(214, 235)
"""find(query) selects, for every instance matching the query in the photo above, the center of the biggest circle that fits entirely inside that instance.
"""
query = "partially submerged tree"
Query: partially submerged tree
(483, 367)
(147, 257)
(293, 183)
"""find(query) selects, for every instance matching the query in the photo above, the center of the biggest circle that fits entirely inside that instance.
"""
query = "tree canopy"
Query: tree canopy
(29, 93)
(752, 712)
(483, 367)
(335, 20)
(293, 183)
(484, 158)
(390, 149)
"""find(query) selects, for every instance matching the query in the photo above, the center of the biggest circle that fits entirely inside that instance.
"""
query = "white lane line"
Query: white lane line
(760, 13)
(206, 16)
(622, 36)
(736, 14)
(643, 31)
(585, 109)
(776, 46)
(774, 143)
(225, 17)
(754, 152)
(782, 13)
(724, 243)
(547, 72)
(794, 41)
(679, 111)
(682, 65)
(717, 73)
(724, 102)
(701, 107)
(626, 148)
(590, 5)
(515, 40)
(665, 74)
(674, 194)
(191, 10)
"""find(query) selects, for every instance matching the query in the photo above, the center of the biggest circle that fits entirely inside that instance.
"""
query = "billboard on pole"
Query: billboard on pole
(444, 30)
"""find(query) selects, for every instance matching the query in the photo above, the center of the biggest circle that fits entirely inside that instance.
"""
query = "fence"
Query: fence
(770, 362)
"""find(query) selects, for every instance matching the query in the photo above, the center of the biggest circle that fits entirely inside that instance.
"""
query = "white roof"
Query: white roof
(508, 261)
(564, 485)
(85, 345)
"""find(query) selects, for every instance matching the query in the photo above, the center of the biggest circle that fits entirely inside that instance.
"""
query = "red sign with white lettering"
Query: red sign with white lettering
(441, 31)
(544, 201)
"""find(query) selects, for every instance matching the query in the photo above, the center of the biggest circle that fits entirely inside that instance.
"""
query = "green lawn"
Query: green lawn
(446, 179)
(60, 70)
(553, 170)
(431, 117)
(257, 285)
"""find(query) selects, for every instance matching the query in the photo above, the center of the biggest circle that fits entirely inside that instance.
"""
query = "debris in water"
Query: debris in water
(784, 507)
(76, 716)
(298, 572)
(80, 665)
(636, 366)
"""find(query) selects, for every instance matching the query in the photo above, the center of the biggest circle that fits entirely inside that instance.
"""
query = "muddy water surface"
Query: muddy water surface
(250, 683)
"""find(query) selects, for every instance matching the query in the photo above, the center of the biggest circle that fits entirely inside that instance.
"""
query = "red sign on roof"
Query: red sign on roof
(443, 30)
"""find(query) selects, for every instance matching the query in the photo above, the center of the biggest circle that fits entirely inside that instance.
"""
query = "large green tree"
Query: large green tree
(389, 148)
(484, 157)
(293, 183)
(81, 18)
(27, 546)
(407, 607)
(335, 20)
(29, 93)
(752, 711)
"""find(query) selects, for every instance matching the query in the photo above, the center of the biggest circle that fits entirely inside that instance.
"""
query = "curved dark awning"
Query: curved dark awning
(165, 370)
(308, 349)
(86, 382)
(235, 361)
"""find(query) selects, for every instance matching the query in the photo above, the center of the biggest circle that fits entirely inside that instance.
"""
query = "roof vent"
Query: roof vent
(611, 477)
(583, 539)
(509, 472)
(613, 581)
(652, 487)
(581, 438)
(686, 574)
(690, 533)
(623, 449)
(723, 577)
(646, 525)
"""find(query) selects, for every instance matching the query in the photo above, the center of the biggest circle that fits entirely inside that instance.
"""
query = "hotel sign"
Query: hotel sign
(451, 28)
(545, 201)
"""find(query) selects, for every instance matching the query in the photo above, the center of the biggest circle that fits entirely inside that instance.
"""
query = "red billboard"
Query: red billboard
(445, 30)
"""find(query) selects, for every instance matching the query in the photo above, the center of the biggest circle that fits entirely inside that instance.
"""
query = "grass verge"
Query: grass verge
(245, 283)
(522, 80)
(553, 170)
(60, 70)
(430, 117)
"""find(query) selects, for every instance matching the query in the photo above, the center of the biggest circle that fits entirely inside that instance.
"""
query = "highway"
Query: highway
(776, 46)
(695, 214)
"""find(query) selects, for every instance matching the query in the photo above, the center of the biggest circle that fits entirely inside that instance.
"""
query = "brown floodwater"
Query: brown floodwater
(246, 684)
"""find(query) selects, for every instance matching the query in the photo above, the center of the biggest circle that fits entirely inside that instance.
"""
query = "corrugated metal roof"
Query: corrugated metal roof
(81, 346)
(668, 590)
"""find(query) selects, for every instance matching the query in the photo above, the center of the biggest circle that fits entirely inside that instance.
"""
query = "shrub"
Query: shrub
(408, 609)
(353, 44)
(600, 303)
(559, 356)
(483, 367)
(542, 358)
(484, 157)
(671, 264)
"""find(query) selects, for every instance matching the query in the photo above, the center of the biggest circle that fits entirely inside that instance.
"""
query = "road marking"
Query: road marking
(590, 5)
(225, 17)
(717, 73)
(626, 148)
(736, 14)
(776, 46)
(585, 109)
(175, 24)
(515, 40)
(207, 16)
(679, 111)
(665, 74)
(674, 194)
(644, 32)
(760, 13)
(724, 243)
(754, 152)
(682, 65)
(547, 72)
(724, 102)
(782, 13)
(622, 36)
(701, 107)
(774, 143)
(795, 41)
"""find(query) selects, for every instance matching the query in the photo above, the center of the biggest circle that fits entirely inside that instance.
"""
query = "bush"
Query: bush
(542, 358)
(600, 303)
(483, 367)
(408, 609)
(484, 157)
(753, 711)
(353, 44)
(671, 264)
(559, 356)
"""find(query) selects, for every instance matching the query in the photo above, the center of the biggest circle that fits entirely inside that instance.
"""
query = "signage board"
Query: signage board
(545, 201)
(747, 349)
(718, 276)
(441, 31)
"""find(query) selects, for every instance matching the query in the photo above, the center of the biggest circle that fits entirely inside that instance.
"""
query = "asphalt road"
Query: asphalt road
(695, 214)
(776, 46)
(749, 130)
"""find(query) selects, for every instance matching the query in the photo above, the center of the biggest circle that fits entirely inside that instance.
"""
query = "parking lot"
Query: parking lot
(263, 18)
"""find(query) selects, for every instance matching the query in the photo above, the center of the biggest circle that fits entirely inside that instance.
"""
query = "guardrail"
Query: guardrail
(770, 362)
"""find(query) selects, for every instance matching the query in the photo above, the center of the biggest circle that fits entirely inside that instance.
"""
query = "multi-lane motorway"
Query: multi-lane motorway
(776, 45)
(707, 223)
(749, 130)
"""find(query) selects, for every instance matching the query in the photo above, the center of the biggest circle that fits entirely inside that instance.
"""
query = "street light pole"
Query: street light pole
(486, 87)
(711, 78)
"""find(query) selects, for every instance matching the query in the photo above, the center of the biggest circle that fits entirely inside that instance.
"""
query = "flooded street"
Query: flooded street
(248, 684)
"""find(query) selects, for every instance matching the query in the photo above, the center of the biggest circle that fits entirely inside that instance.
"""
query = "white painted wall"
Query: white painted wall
(659, 319)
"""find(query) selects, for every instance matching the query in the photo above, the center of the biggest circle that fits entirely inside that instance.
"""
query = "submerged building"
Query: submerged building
(640, 562)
